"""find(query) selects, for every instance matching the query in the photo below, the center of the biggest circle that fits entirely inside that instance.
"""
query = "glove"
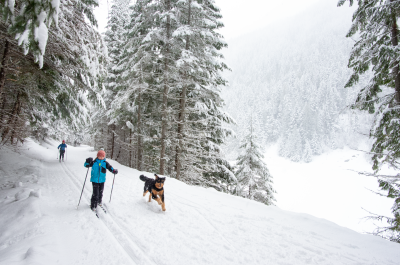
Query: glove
(115, 171)
(89, 162)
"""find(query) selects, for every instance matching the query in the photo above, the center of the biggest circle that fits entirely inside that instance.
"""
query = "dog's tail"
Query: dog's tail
(143, 178)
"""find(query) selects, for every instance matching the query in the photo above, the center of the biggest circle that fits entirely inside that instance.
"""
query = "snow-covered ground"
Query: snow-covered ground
(330, 187)
(39, 222)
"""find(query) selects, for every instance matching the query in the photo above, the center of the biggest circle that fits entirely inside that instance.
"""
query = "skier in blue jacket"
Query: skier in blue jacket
(98, 177)
(62, 149)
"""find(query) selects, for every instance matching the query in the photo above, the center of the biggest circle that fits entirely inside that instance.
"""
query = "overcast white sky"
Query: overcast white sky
(239, 16)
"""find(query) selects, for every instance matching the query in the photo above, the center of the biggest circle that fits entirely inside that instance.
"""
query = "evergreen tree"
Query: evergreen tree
(378, 48)
(254, 179)
(200, 115)
(57, 94)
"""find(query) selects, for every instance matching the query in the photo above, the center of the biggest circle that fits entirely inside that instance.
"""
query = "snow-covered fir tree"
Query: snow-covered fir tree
(55, 94)
(253, 178)
(375, 23)
(200, 116)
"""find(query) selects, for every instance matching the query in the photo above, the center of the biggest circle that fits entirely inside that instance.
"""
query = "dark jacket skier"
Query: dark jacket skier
(62, 149)
(98, 176)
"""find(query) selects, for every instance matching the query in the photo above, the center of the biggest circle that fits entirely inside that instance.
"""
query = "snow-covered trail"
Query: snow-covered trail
(40, 224)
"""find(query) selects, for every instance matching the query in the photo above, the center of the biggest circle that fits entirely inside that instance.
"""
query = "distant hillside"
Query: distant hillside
(292, 76)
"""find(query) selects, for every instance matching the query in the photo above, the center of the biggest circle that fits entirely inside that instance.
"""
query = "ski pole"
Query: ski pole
(112, 188)
(83, 188)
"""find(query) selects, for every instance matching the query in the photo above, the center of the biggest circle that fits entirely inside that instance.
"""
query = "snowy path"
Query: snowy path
(136, 254)
(40, 224)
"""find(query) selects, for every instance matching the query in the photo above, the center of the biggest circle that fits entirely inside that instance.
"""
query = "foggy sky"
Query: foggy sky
(239, 16)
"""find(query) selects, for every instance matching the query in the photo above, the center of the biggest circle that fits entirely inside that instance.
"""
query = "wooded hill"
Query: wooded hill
(292, 76)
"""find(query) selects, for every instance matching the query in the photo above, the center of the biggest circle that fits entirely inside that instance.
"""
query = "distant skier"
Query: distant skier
(62, 149)
(98, 177)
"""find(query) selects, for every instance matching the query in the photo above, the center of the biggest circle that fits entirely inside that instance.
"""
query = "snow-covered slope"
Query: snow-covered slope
(330, 187)
(39, 222)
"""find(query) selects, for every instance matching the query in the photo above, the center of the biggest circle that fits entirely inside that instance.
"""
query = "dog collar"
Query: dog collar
(157, 189)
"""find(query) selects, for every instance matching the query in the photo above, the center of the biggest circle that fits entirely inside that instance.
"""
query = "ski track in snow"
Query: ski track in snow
(200, 226)
(76, 188)
(137, 254)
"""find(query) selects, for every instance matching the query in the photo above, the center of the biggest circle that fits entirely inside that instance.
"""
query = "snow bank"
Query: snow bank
(329, 187)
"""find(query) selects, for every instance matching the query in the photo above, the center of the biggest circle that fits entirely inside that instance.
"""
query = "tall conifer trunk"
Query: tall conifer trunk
(166, 89)
(112, 141)
(139, 133)
(2, 112)
(11, 118)
(181, 123)
(130, 147)
(15, 123)
(3, 68)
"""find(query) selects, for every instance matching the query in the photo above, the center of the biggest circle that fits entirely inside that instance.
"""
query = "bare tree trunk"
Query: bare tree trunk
(105, 134)
(165, 93)
(139, 133)
(112, 141)
(11, 118)
(169, 169)
(395, 42)
(3, 68)
(2, 112)
(130, 147)
(119, 152)
(181, 123)
(107, 141)
(15, 123)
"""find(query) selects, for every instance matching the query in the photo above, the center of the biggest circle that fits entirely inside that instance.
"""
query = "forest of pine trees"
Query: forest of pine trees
(163, 110)
(293, 74)
(149, 90)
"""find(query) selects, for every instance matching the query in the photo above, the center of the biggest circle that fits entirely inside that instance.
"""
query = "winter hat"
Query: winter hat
(101, 153)
(63, 141)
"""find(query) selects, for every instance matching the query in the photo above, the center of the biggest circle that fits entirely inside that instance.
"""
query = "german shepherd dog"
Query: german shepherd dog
(156, 189)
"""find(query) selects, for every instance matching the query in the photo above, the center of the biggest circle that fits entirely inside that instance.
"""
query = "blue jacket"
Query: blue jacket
(99, 167)
(63, 146)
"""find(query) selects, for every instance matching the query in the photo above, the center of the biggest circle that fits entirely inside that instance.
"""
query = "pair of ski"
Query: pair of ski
(102, 207)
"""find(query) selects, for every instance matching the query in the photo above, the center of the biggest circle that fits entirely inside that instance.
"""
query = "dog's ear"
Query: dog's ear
(156, 176)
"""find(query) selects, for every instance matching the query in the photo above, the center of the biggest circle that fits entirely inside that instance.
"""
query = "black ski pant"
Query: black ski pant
(97, 195)
(62, 154)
